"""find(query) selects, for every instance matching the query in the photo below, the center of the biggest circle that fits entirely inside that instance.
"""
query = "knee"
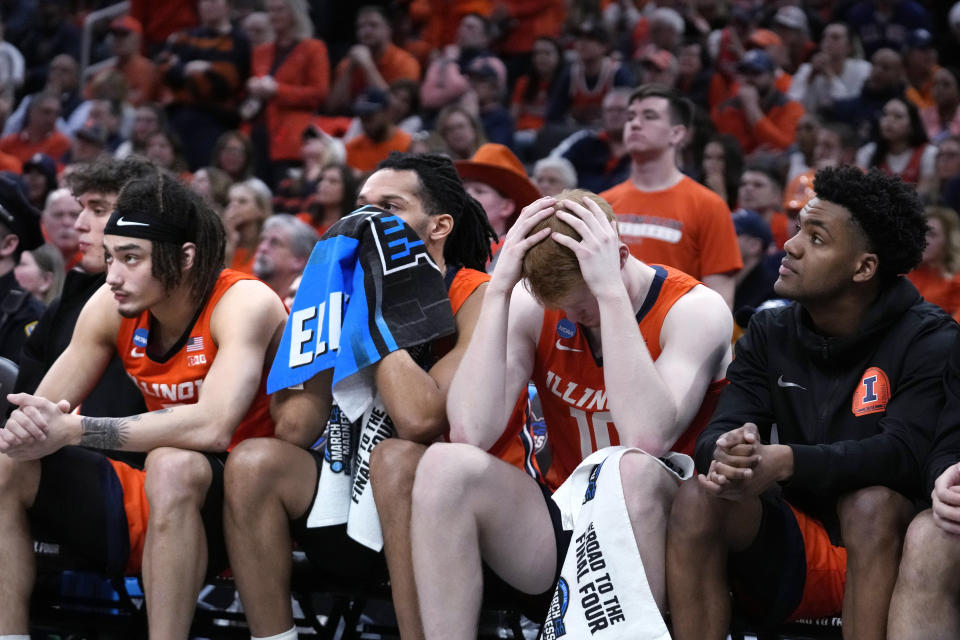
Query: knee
(18, 479)
(176, 478)
(873, 517)
(693, 514)
(930, 554)
(393, 466)
(648, 488)
(252, 463)
(447, 475)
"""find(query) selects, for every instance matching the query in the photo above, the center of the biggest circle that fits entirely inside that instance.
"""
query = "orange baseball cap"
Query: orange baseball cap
(126, 23)
(763, 38)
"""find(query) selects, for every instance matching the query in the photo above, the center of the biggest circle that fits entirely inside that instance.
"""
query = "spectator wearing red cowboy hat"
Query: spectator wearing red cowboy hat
(495, 177)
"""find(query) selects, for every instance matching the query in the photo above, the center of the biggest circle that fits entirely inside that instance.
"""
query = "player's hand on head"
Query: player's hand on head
(598, 250)
(518, 241)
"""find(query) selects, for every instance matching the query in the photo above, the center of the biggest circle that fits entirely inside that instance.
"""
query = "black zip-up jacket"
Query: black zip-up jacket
(857, 411)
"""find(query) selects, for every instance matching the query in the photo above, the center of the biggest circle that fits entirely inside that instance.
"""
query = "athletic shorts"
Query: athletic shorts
(791, 570)
(533, 606)
(332, 551)
(95, 507)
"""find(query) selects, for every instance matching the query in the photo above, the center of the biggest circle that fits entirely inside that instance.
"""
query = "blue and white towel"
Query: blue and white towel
(369, 288)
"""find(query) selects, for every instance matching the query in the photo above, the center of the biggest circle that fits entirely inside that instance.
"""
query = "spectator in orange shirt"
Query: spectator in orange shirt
(759, 116)
(39, 135)
(139, 72)
(663, 216)
(290, 80)
(380, 136)
(937, 278)
(375, 62)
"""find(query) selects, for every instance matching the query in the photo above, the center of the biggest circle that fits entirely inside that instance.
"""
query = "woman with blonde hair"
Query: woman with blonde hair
(249, 205)
(938, 276)
(290, 78)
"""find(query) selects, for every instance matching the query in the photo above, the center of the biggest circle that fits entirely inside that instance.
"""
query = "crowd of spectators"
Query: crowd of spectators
(276, 111)
(305, 99)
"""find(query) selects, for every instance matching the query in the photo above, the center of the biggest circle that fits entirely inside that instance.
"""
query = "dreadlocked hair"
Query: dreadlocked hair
(441, 191)
(107, 175)
(162, 195)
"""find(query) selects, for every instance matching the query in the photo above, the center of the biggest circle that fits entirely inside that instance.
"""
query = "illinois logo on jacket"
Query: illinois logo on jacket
(872, 393)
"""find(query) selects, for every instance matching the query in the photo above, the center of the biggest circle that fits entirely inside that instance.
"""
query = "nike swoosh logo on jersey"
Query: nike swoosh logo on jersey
(136, 354)
(130, 223)
(566, 348)
(785, 385)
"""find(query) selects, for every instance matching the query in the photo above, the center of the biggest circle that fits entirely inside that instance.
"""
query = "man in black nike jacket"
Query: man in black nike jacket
(811, 523)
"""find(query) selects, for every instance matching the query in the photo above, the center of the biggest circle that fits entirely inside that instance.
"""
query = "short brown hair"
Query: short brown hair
(551, 270)
(680, 108)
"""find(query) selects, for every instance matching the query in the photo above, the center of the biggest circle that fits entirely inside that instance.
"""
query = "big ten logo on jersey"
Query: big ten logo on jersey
(872, 393)
(315, 330)
(398, 244)
(553, 626)
(195, 355)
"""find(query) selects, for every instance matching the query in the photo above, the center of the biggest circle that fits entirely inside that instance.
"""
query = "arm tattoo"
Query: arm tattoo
(105, 433)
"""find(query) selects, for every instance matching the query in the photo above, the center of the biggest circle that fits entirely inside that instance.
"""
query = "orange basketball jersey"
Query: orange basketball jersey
(570, 380)
(176, 377)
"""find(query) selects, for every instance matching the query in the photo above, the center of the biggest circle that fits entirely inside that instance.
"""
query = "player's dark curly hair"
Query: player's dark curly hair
(107, 175)
(162, 195)
(886, 208)
(441, 191)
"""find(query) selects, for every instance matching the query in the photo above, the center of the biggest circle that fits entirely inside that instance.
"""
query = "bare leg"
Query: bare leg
(19, 482)
(268, 483)
(468, 505)
(649, 490)
(175, 549)
(703, 531)
(393, 466)
(873, 522)
(925, 603)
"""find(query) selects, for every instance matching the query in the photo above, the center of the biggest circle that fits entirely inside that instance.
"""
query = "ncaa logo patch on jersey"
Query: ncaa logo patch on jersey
(566, 329)
(140, 338)
(872, 393)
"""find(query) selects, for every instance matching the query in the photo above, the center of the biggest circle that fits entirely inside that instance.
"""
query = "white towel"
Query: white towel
(603, 591)
(344, 494)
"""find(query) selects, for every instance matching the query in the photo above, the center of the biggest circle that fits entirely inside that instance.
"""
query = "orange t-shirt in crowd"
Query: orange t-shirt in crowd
(780, 228)
(10, 163)
(776, 130)
(686, 226)
(243, 260)
(395, 64)
(937, 288)
(140, 74)
(22, 148)
(570, 381)
(364, 154)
